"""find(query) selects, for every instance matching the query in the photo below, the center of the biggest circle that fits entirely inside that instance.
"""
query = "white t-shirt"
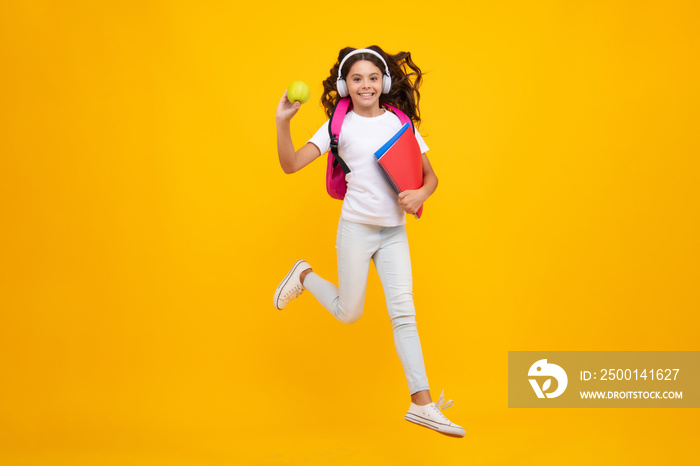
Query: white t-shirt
(370, 198)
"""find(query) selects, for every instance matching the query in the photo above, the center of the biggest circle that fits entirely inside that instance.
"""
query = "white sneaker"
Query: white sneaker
(431, 416)
(291, 286)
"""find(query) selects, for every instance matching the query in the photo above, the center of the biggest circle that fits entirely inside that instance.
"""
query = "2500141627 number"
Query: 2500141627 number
(637, 374)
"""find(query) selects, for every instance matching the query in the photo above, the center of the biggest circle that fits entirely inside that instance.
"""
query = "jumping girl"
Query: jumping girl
(373, 217)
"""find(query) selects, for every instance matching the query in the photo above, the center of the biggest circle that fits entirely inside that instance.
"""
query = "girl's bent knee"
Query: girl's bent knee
(349, 316)
(351, 319)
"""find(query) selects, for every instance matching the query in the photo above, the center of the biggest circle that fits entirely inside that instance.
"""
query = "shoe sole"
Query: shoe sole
(420, 422)
(275, 300)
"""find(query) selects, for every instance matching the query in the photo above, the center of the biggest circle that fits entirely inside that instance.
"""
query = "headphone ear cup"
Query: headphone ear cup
(386, 84)
(342, 87)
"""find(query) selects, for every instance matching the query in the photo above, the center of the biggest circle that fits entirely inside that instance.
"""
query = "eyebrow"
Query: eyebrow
(371, 74)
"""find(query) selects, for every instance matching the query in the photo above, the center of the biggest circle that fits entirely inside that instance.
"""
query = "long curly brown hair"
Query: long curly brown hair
(406, 78)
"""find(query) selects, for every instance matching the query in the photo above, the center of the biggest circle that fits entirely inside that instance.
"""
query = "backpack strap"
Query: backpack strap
(402, 116)
(334, 126)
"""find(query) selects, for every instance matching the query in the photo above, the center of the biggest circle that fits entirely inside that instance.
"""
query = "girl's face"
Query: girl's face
(364, 83)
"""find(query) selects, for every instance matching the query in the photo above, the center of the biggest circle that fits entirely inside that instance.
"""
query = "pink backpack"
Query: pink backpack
(337, 168)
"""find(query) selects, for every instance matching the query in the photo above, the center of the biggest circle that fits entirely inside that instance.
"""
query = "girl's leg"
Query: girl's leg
(393, 263)
(355, 245)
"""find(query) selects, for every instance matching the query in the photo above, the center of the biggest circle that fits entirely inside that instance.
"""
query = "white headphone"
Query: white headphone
(343, 87)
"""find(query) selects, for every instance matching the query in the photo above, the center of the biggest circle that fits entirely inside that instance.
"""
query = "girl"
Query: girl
(372, 222)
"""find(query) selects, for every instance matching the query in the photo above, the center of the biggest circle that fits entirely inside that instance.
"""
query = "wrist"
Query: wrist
(423, 193)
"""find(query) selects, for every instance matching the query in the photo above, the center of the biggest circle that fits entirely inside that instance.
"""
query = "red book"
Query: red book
(402, 162)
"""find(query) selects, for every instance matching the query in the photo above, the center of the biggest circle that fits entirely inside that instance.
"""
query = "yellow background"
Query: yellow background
(145, 224)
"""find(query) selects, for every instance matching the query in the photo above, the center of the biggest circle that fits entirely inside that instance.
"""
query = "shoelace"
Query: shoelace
(293, 293)
(440, 404)
(441, 400)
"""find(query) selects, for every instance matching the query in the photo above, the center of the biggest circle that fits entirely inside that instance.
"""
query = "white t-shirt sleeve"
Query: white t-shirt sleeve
(322, 139)
(421, 143)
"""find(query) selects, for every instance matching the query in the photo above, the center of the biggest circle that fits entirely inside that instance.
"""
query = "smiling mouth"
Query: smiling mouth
(366, 95)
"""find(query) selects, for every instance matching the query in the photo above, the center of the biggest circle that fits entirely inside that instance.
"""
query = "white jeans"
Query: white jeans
(356, 245)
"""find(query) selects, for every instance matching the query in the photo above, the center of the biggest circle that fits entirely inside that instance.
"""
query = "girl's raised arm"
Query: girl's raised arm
(290, 160)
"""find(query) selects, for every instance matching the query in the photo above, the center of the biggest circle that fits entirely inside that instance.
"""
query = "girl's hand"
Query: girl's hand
(411, 200)
(286, 110)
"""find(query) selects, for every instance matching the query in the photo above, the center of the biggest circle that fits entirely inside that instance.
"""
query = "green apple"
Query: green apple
(298, 91)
